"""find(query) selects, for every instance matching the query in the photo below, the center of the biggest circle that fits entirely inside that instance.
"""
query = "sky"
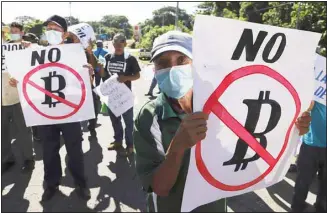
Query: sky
(88, 11)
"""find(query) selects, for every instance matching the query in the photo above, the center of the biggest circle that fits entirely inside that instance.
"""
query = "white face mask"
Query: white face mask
(15, 37)
(54, 37)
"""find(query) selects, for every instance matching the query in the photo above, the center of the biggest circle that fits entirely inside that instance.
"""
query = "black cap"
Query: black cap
(60, 21)
(31, 37)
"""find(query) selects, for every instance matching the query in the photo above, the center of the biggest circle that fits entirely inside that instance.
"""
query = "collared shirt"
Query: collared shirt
(155, 126)
(317, 132)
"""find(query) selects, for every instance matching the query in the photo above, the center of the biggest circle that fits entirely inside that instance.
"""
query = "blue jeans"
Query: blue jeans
(118, 127)
(153, 85)
(311, 159)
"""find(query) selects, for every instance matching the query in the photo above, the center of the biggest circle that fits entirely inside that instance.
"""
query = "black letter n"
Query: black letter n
(246, 41)
(36, 57)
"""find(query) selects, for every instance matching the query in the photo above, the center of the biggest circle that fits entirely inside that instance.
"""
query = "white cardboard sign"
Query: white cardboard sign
(250, 79)
(320, 80)
(84, 32)
(117, 96)
(8, 47)
(53, 86)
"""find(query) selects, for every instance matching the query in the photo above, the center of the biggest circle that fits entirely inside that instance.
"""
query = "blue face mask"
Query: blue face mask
(176, 81)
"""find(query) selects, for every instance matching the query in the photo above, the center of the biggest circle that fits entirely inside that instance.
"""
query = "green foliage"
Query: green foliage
(117, 22)
(35, 27)
(206, 8)
(71, 20)
(147, 39)
(24, 19)
(165, 17)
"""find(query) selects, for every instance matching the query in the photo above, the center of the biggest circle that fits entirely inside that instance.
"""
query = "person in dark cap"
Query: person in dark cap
(166, 128)
(56, 34)
(126, 66)
(31, 37)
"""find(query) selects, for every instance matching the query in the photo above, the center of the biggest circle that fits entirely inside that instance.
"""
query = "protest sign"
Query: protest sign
(320, 80)
(8, 47)
(250, 79)
(84, 32)
(117, 96)
(53, 86)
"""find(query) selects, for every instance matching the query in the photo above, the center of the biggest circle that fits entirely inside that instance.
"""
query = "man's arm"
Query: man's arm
(161, 170)
(165, 176)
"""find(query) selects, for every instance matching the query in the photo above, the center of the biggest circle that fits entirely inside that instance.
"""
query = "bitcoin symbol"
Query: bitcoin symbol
(48, 87)
(254, 108)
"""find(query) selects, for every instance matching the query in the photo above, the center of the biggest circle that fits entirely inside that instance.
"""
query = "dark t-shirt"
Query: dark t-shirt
(118, 64)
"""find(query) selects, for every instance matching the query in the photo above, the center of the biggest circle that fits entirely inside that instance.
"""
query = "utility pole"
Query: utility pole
(70, 13)
(298, 15)
(176, 18)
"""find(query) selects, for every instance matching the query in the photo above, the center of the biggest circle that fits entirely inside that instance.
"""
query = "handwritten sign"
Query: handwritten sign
(117, 96)
(320, 80)
(5, 48)
(84, 32)
(53, 86)
(254, 81)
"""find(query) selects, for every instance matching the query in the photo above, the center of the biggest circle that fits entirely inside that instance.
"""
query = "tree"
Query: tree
(96, 26)
(309, 16)
(252, 11)
(24, 19)
(71, 20)
(148, 39)
(206, 8)
(279, 14)
(166, 16)
(35, 27)
(118, 22)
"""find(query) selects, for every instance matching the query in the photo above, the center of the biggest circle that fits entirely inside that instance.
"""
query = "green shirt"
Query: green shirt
(154, 129)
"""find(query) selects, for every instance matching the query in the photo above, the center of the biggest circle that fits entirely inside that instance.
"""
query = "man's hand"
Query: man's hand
(13, 82)
(89, 48)
(303, 123)
(192, 130)
(90, 68)
(122, 79)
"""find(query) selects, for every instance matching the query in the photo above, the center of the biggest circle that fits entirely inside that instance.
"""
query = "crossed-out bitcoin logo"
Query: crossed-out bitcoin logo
(247, 137)
(53, 96)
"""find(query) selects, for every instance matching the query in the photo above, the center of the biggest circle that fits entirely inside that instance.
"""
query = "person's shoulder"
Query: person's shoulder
(146, 113)
(131, 57)
(107, 56)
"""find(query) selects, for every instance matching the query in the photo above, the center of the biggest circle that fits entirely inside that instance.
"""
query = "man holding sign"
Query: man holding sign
(167, 128)
(12, 114)
(313, 149)
(128, 70)
(56, 33)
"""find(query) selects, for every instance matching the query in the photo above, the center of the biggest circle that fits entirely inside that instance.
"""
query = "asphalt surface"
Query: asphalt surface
(113, 182)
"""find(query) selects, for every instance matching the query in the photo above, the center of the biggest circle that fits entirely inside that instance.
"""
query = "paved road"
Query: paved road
(113, 183)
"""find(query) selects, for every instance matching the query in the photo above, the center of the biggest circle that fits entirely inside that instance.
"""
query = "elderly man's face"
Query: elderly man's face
(171, 59)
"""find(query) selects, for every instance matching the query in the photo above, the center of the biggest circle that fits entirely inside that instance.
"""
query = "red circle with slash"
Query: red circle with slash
(213, 105)
(75, 107)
